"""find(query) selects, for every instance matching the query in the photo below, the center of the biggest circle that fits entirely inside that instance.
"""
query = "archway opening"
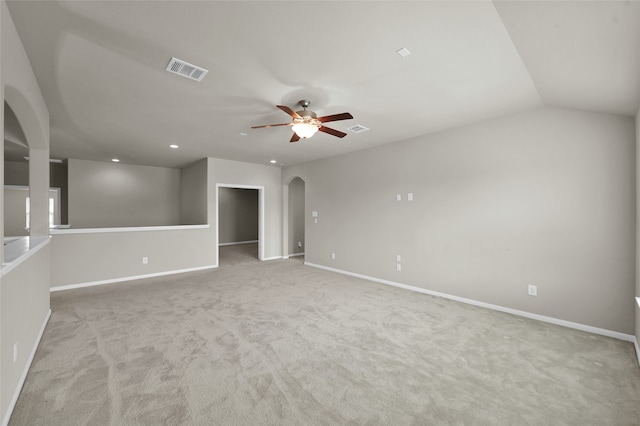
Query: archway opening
(296, 227)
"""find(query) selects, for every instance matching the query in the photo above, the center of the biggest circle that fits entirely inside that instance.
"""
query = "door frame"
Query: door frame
(260, 216)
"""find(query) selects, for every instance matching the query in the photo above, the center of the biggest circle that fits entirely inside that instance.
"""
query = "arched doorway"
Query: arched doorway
(294, 218)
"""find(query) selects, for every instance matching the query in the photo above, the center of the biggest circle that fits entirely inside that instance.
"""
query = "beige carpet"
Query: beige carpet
(278, 343)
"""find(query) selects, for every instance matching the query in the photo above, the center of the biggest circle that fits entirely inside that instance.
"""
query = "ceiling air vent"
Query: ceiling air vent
(186, 69)
(358, 128)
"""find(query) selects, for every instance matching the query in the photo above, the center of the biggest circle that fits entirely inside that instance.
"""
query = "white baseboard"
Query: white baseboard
(238, 242)
(569, 324)
(135, 277)
(271, 258)
(25, 371)
(635, 343)
(295, 254)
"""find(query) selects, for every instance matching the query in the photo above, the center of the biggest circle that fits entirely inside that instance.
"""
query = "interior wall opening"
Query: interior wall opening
(296, 207)
(239, 227)
(16, 179)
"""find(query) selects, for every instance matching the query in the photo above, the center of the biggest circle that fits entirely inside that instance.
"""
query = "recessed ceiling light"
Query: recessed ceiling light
(404, 52)
(274, 161)
(115, 160)
(174, 146)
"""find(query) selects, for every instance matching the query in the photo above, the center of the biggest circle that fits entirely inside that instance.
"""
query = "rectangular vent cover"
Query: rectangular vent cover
(186, 69)
(358, 128)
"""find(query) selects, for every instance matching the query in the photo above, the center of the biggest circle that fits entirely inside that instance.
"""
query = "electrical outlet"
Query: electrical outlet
(333, 256)
(398, 197)
(398, 259)
(398, 267)
(533, 290)
(145, 260)
(410, 196)
(15, 352)
(300, 244)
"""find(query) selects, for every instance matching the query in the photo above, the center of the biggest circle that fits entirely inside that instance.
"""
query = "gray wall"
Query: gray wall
(14, 212)
(193, 193)
(637, 308)
(24, 307)
(24, 294)
(296, 216)
(105, 194)
(543, 198)
(16, 173)
(85, 258)
(238, 209)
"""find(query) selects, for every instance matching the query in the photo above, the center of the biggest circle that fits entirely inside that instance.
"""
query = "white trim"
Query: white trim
(295, 254)
(635, 343)
(556, 321)
(271, 258)
(127, 229)
(131, 278)
(23, 377)
(17, 187)
(261, 198)
(237, 243)
(23, 253)
(638, 300)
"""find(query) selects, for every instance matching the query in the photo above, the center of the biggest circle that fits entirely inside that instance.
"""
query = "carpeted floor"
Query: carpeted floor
(279, 343)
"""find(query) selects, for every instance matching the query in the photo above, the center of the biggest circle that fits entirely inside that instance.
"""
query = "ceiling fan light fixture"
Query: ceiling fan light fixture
(305, 130)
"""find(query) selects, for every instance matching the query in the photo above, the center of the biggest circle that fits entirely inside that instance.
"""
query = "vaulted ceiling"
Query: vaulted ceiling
(101, 68)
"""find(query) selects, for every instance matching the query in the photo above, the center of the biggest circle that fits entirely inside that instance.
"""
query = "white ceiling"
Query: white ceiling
(100, 66)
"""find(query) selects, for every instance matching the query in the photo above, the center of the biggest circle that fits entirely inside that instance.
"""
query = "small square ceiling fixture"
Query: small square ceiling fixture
(404, 52)
(185, 69)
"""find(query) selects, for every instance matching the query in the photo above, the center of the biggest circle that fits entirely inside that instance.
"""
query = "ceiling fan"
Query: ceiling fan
(306, 123)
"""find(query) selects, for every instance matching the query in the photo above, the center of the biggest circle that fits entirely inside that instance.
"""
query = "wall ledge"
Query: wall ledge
(126, 229)
(18, 251)
(543, 318)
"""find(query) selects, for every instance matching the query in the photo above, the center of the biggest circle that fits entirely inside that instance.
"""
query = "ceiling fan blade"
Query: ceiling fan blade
(295, 138)
(332, 132)
(272, 125)
(335, 117)
(289, 111)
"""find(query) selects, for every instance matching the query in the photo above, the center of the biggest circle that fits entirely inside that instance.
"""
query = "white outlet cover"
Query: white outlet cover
(314, 214)
(533, 290)
(398, 267)
(398, 259)
(398, 197)
(410, 196)
(333, 256)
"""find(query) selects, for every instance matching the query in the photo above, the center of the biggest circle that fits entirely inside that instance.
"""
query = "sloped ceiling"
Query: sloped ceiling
(100, 66)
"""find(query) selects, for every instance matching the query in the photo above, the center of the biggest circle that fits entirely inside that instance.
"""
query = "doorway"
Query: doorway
(239, 224)
(296, 207)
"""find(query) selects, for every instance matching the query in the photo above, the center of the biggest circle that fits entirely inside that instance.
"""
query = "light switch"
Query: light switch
(410, 196)
(314, 214)
(398, 197)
